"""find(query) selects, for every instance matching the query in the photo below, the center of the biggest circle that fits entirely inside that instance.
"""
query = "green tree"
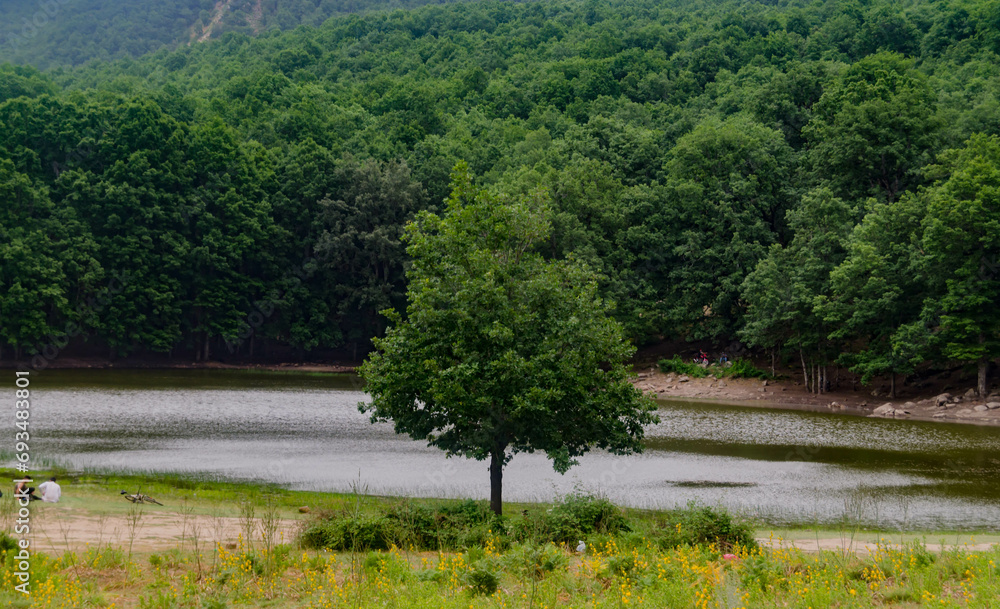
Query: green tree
(877, 292)
(961, 240)
(502, 351)
(726, 194)
(782, 292)
(873, 129)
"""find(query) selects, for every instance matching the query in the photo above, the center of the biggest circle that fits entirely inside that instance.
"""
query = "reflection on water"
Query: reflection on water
(305, 431)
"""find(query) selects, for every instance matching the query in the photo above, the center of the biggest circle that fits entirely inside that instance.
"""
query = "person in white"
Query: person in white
(50, 491)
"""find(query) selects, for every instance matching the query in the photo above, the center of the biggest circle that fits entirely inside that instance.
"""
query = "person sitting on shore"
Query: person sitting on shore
(21, 489)
(51, 492)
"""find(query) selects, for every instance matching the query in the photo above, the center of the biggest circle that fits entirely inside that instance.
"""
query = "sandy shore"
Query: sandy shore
(946, 407)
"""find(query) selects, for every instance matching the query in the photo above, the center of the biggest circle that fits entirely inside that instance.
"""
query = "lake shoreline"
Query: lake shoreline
(791, 395)
(782, 393)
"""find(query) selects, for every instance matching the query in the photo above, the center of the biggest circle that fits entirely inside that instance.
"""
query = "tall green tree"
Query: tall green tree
(961, 242)
(725, 198)
(873, 128)
(877, 292)
(502, 351)
(784, 289)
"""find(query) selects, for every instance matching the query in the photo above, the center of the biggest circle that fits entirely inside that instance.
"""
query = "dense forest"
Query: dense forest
(818, 180)
(50, 33)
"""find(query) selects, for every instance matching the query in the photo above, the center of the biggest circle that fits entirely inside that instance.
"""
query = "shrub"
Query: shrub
(532, 561)
(698, 525)
(406, 524)
(577, 515)
(352, 533)
(679, 366)
(482, 577)
(625, 566)
(744, 369)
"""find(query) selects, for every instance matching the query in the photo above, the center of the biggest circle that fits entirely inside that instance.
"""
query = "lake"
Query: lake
(305, 432)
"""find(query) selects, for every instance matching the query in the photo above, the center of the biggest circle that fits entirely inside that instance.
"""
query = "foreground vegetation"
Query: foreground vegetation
(619, 571)
(452, 553)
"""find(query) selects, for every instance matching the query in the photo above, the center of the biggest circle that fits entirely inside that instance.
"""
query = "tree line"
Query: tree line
(813, 179)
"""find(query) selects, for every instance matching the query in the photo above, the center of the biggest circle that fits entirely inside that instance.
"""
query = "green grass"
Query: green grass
(636, 558)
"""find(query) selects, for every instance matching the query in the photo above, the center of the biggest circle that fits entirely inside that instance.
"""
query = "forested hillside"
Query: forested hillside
(51, 33)
(817, 179)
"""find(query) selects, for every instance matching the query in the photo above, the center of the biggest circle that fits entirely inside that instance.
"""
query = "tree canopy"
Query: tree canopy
(252, 188)
(502, 351)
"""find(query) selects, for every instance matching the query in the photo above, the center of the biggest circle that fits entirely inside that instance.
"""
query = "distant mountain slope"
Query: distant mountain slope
(51, 33)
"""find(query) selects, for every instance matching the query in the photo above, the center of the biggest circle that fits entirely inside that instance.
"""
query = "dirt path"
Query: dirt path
(55, 530)
(861, 547)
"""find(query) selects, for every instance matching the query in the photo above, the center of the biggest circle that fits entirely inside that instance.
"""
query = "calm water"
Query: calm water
(306, 432)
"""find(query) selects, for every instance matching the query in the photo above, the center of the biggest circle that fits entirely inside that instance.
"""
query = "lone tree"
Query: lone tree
(501, 350)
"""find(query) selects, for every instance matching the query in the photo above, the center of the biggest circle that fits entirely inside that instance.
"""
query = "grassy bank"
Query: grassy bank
(622, 572)
(355, 550)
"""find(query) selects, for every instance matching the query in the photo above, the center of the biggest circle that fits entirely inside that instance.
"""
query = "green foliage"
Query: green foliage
(676, 365)
(7, 543)
(778, 175)
(576, 516)
(702, 525)
(502, 351)
(744, 369)
(406, 524)
(535, 561)
(483, 578)
(353, 533)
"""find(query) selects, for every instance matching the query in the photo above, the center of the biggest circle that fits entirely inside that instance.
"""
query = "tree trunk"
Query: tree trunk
(496, 482)
(207, 340)
(984, 366)
(892, 385)
(805, 374)
(772, 362)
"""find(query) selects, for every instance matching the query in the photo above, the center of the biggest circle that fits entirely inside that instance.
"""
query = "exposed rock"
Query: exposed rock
(763, 389)
(836, 406)
(971, 394)
(939, 415)
(909, 405)
(683, 379)
(304, 509)
(764, 384)
(993, 405)
(885, 410)
(981, 408)
(723, 384)
(942, 399)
